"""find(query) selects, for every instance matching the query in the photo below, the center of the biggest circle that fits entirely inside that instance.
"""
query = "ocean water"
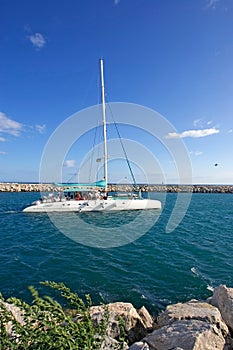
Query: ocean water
(155, 269)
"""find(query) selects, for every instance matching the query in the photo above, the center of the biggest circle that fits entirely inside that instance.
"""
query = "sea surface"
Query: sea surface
(155, 269)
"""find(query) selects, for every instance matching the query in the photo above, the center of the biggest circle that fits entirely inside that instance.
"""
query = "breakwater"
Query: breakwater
(186, 326)
(26, 187)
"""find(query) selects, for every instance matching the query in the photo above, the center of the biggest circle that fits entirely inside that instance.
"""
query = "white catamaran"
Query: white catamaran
(77, 197)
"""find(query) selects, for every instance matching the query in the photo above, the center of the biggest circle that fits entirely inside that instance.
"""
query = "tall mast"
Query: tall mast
(104, 124)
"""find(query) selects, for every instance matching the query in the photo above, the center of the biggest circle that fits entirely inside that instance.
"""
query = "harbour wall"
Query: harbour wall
(26, 187)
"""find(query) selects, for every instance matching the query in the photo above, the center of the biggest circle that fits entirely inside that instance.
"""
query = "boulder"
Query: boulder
(190, 310)
(136, 326)
(139, 346)
(193, 325)
(110, 343)
(187, 335)
(14, 312)
(146, 318)
(223, 300)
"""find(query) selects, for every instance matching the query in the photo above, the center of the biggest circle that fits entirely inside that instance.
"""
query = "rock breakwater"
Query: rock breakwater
(193, 325)
(26, 187)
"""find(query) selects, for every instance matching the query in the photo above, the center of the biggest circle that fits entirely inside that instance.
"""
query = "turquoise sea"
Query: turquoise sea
(154, 270)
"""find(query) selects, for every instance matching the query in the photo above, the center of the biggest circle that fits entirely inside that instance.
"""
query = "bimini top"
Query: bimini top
(81, 186)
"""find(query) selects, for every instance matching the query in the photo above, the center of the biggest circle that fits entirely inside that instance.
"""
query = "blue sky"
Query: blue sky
(175, 57)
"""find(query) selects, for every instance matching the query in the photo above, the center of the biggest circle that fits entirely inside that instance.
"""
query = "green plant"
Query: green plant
(47, 326)
(122, 336)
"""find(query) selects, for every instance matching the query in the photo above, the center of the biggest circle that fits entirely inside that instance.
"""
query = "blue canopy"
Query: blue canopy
(99, 184)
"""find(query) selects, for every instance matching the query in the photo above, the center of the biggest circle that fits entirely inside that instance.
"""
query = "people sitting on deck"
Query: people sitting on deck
(79, 197)
(96, 195)
(104, 195)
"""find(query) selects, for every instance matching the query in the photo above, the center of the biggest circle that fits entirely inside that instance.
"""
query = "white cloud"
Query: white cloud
(2, 153)
(198, 123)
(9, 126)
(41, 128)
(2, 139)
(196, 153)
(231, 130)
(211, 4)
(201, 123)
(116, 2)
(69, 163)
(192, 133)
(37, 40)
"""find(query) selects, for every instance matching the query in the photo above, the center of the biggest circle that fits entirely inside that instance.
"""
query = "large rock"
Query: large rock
(193, 325)
(136, 326)
(146, 318)
(223, 300)
(14, 312)
(193, 309)
(112, 344)
(139, 346)
(187, 335)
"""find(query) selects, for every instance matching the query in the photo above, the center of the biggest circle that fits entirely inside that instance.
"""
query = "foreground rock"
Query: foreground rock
(188, 335)
(193, 325)
(192, 310)
(16, 313)
(136, 323)
(223, 300)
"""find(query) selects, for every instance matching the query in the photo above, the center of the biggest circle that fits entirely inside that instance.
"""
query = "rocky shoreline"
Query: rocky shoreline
(193, 325)
(26, 187)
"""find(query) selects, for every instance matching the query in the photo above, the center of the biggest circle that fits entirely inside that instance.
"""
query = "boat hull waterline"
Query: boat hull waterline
(94, 205)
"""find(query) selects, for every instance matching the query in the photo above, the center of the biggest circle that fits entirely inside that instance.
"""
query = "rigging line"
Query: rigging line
(123, 148)
(99, 148)
(92, 152)
(73, 176)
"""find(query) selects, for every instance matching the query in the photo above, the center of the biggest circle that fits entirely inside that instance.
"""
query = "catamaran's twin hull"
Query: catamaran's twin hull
(94, 205)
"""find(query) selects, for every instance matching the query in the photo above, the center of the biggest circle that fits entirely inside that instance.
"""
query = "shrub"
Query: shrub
(48, 326)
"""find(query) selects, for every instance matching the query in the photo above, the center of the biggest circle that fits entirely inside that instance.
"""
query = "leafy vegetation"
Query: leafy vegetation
(46, 325)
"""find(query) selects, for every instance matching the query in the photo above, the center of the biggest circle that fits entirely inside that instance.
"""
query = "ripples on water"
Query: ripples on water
(154, 270)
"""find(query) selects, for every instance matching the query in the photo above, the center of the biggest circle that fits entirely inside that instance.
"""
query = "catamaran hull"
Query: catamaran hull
(94, 205)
